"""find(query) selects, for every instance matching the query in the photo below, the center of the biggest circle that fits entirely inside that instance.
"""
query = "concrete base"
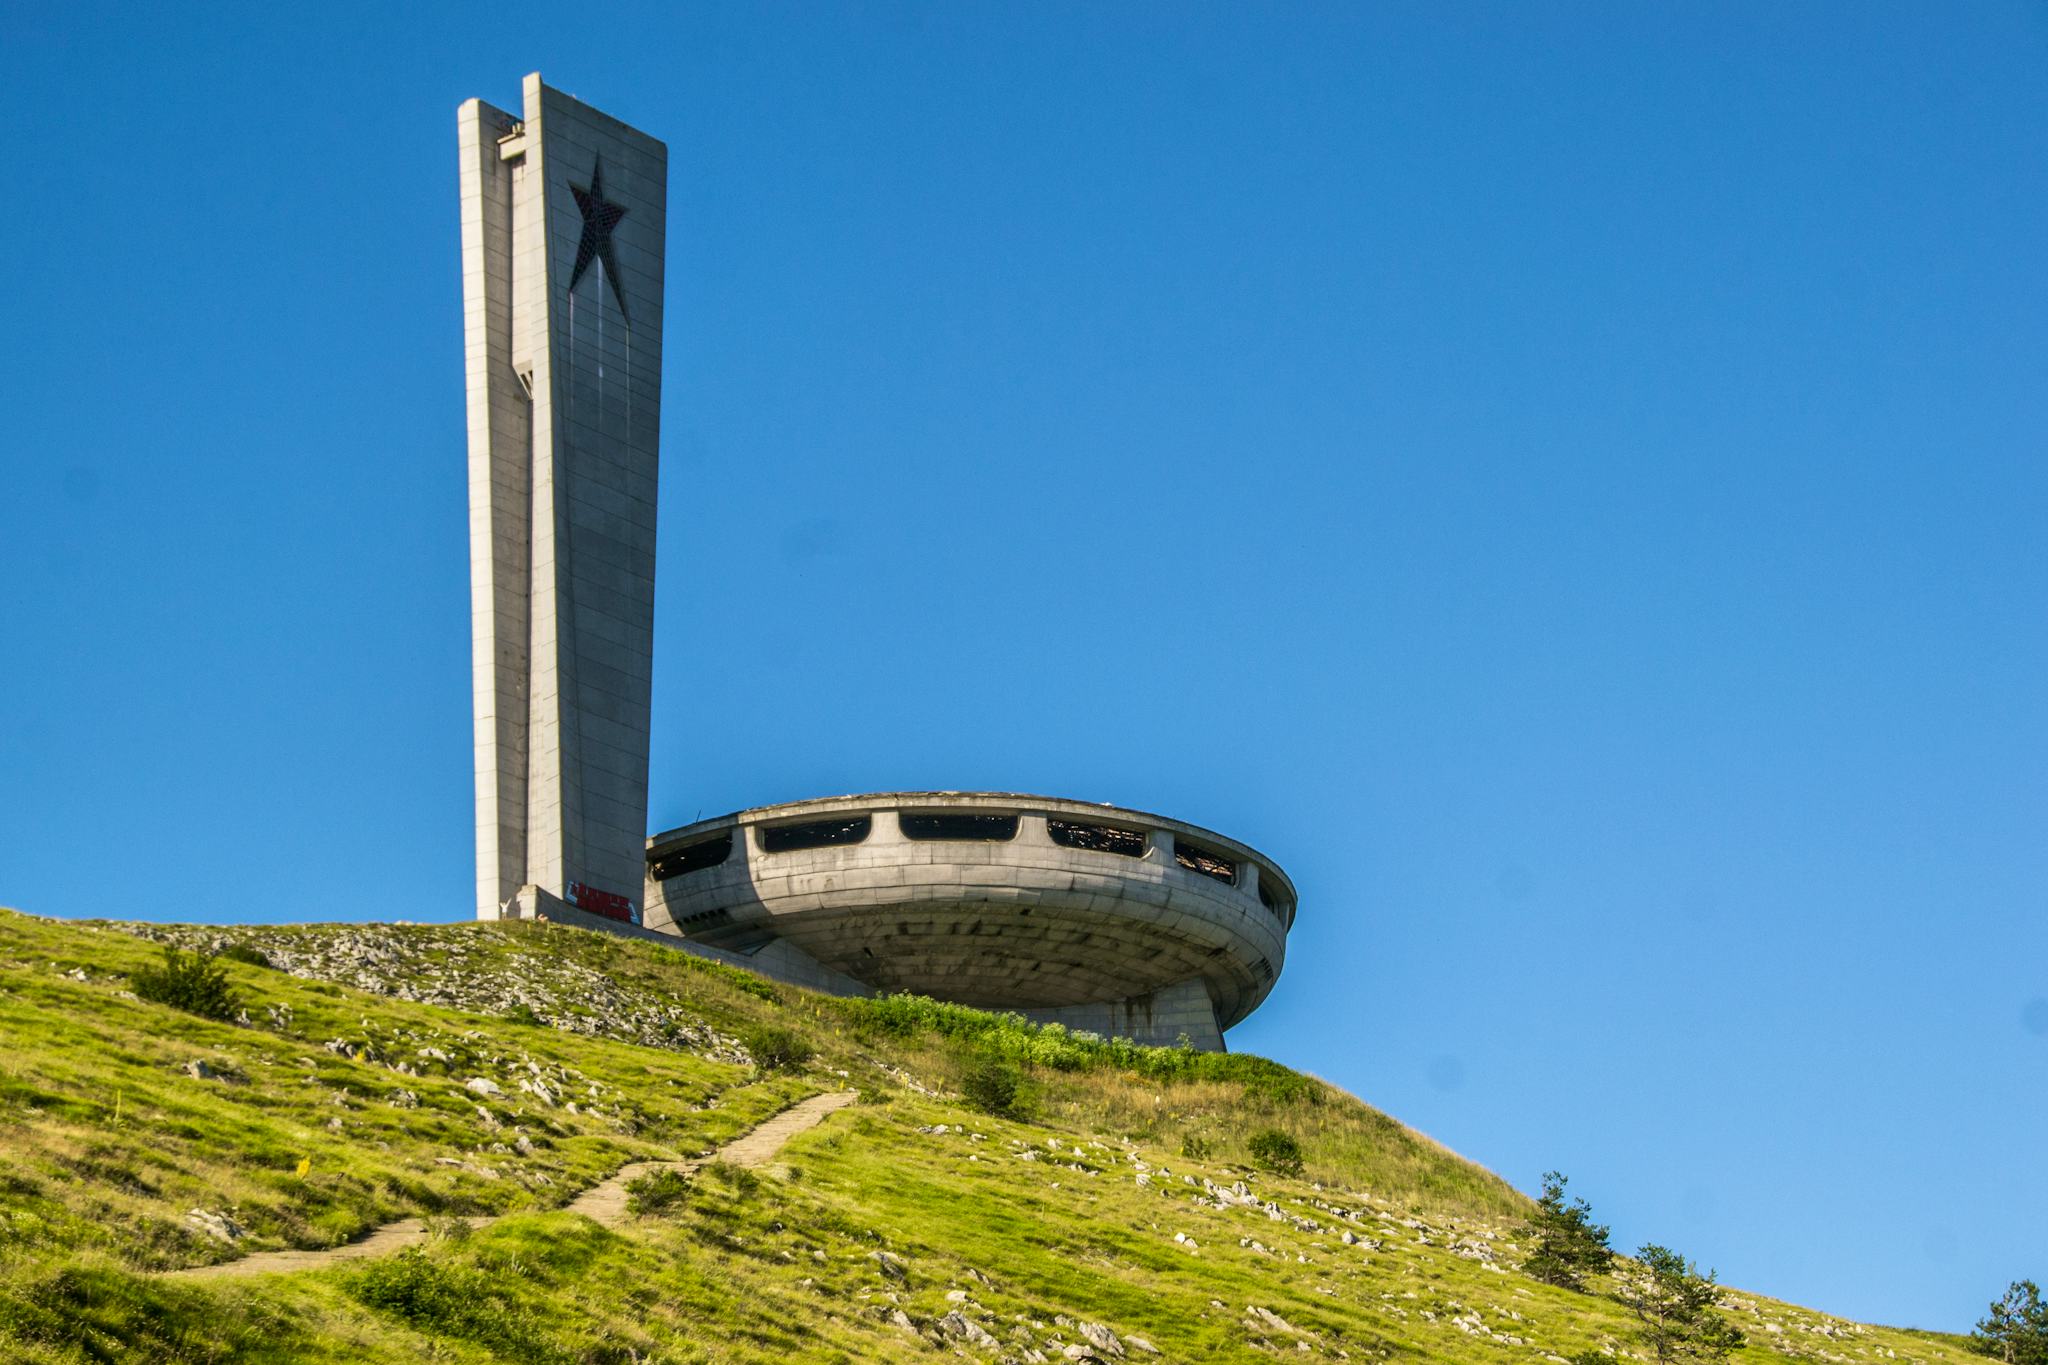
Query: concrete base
(1161, 1018)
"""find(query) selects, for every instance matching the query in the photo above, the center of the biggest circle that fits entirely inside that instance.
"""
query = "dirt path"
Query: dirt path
(605, 1203)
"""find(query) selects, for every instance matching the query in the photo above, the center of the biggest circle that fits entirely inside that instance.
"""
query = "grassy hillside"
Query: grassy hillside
(382, 1072)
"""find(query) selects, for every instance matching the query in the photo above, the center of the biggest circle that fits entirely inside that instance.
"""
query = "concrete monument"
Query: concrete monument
(1100, 918)
(563, 224)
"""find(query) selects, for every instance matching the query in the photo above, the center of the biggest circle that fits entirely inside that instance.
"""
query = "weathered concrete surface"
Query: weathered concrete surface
(563, 226)
(1140, 946)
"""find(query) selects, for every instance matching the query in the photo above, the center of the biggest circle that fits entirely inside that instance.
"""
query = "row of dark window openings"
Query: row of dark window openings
(956, 827)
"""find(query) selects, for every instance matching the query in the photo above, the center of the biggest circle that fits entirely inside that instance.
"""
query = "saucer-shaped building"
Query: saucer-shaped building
(1100, 918)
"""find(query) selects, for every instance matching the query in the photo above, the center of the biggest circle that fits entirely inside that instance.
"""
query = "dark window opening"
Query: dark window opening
(1272, 902)
(815, 834)
(1209, 863)
(1100, 838)
(990, 828)
(692, 857)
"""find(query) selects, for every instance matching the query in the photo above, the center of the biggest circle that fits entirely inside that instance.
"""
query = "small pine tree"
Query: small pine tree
(2016, 1330)
(1675, 1304)
(1569, 1245)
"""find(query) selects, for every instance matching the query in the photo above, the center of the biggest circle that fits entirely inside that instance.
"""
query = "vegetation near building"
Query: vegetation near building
(370, 1076)
(1568, 1245)
(2016, 1329)
(1675, 1305)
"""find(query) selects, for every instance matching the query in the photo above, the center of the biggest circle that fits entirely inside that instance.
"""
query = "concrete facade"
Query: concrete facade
(1136, 925)
(563, 225)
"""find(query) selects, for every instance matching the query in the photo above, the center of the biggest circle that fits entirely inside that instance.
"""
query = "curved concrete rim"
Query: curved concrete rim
(1006, 802)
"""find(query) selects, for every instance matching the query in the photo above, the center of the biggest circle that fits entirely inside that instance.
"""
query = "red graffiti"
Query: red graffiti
(607, 903)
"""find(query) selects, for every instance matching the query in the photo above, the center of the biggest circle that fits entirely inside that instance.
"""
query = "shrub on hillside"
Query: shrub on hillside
(441, 1298)
(775, 1048)
(192, 982)
(1194, 1147)
(657, 1191)
(994, 1085)
(733, 1176)
(243, 952)
(1278, 1152)
(420, 1290)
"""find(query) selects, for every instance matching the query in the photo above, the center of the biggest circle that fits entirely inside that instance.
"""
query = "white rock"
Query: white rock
(967, 1330)
(215, 1225)
(1269, 1318)
(1101, 1338)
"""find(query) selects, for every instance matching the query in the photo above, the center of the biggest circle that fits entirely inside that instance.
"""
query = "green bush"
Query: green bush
(775, 1048)
(1278, 1152)
(424, 1292)
(1194, 1147)
(444, 1298)
(993, 1084)
(243, 952)
(192, 982)
(523, 1014)
(657, 1191)
(733, 1176)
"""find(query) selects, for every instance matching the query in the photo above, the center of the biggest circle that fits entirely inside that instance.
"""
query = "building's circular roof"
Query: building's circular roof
(998, 899)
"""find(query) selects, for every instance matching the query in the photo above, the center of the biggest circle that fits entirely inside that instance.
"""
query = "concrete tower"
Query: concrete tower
(563, 220)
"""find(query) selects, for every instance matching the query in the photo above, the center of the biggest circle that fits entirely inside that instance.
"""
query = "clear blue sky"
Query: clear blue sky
(1566, 480)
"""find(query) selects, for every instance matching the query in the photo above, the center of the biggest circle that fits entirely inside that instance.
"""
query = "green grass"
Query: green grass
(1067, 1214)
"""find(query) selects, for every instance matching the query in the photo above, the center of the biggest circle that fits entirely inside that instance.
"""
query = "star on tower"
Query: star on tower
(600, 216)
